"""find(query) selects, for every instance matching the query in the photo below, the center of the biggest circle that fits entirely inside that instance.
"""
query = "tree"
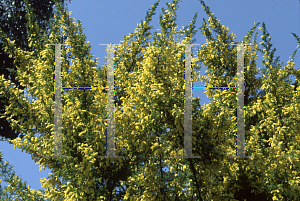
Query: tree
(149, 80)
(271, 133)
(13, 23)
(105, 179)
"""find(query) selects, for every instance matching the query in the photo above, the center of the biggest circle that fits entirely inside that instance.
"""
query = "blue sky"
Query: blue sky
(109, 21)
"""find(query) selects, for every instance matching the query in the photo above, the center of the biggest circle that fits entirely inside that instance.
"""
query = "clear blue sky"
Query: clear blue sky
(109, 21)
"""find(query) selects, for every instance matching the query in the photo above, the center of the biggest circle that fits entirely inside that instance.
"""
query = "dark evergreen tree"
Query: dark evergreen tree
(13, 22)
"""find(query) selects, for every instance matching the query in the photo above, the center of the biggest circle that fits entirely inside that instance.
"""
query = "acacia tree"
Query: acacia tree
(40, 84)
(149, 80)
(271, 130)
(214, 133)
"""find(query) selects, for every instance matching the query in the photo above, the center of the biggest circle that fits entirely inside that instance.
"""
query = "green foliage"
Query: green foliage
(17, 190)
(149, 80)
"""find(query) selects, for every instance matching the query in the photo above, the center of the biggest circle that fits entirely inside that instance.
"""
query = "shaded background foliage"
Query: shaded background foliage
(13, 22)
